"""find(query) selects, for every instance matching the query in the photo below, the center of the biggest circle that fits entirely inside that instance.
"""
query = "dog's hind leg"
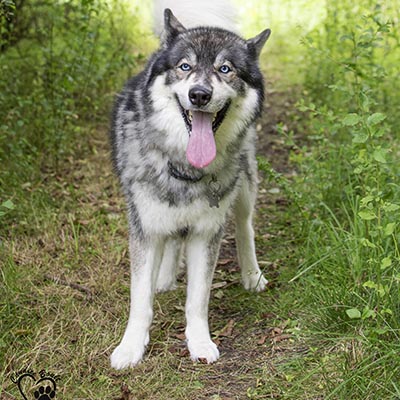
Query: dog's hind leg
(169, 266)
(145, 261)
(252, 277)
(202, 253)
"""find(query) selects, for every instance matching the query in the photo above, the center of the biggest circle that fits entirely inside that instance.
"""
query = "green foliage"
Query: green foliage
(60, 61)
(6, 207)
(7, 13)
(354, 56)
(348, 178)
(352, 179)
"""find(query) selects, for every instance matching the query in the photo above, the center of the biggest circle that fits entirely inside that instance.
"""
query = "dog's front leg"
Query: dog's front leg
(145, 261)
(202, 255)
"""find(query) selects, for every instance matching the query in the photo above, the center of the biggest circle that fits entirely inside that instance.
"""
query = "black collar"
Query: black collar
(181, 175)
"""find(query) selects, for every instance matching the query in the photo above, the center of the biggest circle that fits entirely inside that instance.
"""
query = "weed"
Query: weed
(59, 63)
(349, 178)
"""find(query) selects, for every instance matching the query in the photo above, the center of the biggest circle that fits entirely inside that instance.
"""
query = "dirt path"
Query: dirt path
(247, 327)
(277, 110)
(271, 146)
(78, 264)
(254, 338)
(250, 332)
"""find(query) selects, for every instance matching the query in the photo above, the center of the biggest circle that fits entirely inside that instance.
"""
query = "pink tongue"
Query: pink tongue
(201, 149)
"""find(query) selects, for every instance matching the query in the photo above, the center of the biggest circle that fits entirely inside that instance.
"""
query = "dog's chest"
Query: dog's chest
(201, 214)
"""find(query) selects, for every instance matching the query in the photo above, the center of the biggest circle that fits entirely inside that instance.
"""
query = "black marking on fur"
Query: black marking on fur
(130, 104)
(183, 233)
(229, 188)
(181, 175)
(245, 166)
(213, 247)
(220, 116)
(135, 224)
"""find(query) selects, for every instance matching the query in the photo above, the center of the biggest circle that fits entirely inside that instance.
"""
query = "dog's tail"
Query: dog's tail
(192, 13)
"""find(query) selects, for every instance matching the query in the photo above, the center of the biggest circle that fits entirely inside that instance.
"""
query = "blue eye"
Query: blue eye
(225, 69)
(185, 67)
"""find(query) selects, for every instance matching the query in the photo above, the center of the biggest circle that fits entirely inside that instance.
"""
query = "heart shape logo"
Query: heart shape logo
(45, 387)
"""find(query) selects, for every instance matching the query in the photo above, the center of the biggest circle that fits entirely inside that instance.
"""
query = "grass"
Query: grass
(65, 302)
(326, 224)
(65, 297)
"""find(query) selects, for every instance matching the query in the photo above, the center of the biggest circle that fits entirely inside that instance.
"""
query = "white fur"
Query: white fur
(160, 219)
(193, 13)
(167, 116)
(252, 277)
(200, 275)
(170, 262)
(145, 263)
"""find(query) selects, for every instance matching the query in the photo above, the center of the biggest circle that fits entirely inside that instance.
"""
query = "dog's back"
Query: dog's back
(192, 13)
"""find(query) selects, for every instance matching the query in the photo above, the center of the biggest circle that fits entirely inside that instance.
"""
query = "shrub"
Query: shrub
(351, 179)
(60, 61)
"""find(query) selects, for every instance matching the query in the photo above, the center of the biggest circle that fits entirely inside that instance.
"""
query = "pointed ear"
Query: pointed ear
(172, 27)
(257, 42)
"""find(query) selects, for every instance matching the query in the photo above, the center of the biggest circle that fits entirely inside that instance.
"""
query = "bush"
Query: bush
(60, 61)
(351, 179)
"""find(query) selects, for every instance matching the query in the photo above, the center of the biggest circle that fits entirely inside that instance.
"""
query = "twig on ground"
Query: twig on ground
(72, 285)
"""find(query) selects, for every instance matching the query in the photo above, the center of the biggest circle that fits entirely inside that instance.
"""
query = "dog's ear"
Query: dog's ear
(257, 43)
(172, 27)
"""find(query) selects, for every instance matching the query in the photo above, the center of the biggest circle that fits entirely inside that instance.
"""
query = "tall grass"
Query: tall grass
(353, 186)
(60, 62)
(350, 276)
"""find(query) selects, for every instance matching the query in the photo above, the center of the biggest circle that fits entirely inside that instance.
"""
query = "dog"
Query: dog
(183, 142)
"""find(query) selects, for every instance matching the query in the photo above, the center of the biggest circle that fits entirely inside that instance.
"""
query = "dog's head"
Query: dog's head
(206, 70)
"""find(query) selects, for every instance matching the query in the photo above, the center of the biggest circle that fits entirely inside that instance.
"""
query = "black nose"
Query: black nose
(199, 95)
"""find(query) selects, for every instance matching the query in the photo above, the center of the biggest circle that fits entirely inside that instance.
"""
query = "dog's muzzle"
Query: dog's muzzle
(202, 126)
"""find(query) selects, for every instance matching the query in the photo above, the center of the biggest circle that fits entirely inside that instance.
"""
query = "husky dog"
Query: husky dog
(183, 141)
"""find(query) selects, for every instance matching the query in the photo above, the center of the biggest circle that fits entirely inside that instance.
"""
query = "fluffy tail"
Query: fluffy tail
(192, 13)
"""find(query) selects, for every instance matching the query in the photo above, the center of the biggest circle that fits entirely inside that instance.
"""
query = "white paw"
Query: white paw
(205, 350)
(254, 281)
(126, 355)
(165, 286)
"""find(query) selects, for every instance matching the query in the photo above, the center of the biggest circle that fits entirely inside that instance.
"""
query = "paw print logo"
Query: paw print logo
(43, 388)
(45, 393)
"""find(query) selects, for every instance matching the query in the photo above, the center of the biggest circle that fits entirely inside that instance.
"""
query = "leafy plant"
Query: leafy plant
(349, 175)
(6, 207)
(59, 62)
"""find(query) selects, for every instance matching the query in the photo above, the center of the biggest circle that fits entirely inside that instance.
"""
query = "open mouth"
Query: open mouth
(202, 126)
(217, 118)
